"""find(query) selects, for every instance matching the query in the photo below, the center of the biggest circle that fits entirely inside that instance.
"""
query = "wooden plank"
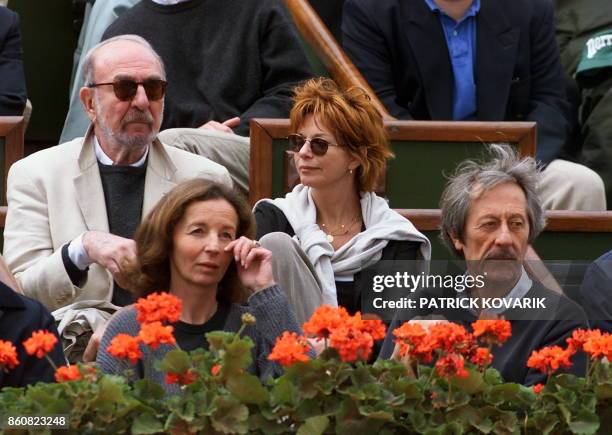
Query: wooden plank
(12, 129)
(265, 131)
(556, 220)
(522, 133)
(331, 54)
(260, 166)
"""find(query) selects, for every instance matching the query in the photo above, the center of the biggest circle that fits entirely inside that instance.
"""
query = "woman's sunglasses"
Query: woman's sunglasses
(125, 90)
(317, 145)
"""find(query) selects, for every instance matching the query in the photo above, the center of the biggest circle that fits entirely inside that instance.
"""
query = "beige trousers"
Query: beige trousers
(294, 273)
(229, 150)
(570, 186)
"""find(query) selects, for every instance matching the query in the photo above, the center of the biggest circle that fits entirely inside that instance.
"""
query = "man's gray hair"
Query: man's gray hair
(88, 62)
(472, 179)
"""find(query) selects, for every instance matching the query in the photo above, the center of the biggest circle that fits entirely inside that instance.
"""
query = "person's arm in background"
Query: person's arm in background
(365, 44)
(13, 94)
(284, 65)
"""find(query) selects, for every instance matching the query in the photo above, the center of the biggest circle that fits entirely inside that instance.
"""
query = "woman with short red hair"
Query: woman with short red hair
(338, 224)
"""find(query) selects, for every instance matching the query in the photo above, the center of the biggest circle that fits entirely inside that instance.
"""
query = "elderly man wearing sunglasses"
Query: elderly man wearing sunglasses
(73, 208)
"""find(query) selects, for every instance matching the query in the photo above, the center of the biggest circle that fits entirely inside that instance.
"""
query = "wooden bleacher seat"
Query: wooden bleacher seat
(569, 235)
(12, 134)
(425, 152)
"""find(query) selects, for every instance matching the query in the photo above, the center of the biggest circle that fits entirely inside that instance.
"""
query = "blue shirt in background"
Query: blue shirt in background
(461, 42)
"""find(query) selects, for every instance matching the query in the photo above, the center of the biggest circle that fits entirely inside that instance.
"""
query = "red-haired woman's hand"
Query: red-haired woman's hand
(253, 263)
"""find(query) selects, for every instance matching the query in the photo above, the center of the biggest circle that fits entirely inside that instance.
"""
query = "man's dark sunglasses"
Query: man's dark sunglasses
(126, 90)
(317, 145)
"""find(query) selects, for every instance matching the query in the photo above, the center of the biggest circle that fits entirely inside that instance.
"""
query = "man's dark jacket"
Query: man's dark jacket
(399, 46)
(12, 78)
(19, 318)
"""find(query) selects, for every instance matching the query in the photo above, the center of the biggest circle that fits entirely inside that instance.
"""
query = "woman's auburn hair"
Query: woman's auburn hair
(351, 118)
(154, 238)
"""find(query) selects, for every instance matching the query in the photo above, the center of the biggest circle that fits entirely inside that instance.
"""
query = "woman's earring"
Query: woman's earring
(351, 171)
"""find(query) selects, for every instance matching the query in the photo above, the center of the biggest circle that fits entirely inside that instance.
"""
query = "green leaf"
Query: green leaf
(565, 412)
(284, 392)
(217, 340)
(230, 416)
(175, 361)
(472, 384)
(499, 394)
(248, 389)
(146, 424)
(147, 389)
(314, 425)
(585, 423)
(379, 411)
(492, 377)
(310, 408)
(236, 356)
(410, 387)
(187, 411)
(545, 422)
(110, 393)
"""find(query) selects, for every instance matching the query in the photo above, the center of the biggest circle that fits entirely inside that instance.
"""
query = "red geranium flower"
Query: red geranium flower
(159, 307)
(40, 343)
(375, 327)
(581, 336)
(452, 338)
(492, 331)
(351, 343)
(537, 388)
(599, 346)
(125, 346)
(550, 359)
(413, 340)
(155, 334)
(451, 365)
(289, 348)
(189, 377)
(214, 370)
(8, 355)
(324, 320)
(68, 373)
(481, 357)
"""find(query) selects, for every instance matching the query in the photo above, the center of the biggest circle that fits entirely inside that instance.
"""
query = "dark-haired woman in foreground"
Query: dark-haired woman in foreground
(196, 245)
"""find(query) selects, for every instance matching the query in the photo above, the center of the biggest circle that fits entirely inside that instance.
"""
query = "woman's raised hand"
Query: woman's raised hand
(254, 263)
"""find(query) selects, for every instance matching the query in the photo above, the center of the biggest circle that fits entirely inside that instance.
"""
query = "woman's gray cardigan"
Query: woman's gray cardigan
(269, 306)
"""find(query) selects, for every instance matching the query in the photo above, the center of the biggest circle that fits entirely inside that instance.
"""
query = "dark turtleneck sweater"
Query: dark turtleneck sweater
(123, 196)
(223, 58)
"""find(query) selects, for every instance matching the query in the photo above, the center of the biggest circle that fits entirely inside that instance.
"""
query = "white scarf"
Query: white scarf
(365, 249)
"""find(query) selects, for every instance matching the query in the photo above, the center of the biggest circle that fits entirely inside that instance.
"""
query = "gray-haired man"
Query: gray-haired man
(490, 214)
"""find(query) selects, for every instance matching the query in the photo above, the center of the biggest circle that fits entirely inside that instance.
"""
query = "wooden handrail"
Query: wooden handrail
(317, 35)
(556, 220)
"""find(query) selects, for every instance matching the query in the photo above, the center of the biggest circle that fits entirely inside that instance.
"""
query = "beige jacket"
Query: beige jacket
(56, 194)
